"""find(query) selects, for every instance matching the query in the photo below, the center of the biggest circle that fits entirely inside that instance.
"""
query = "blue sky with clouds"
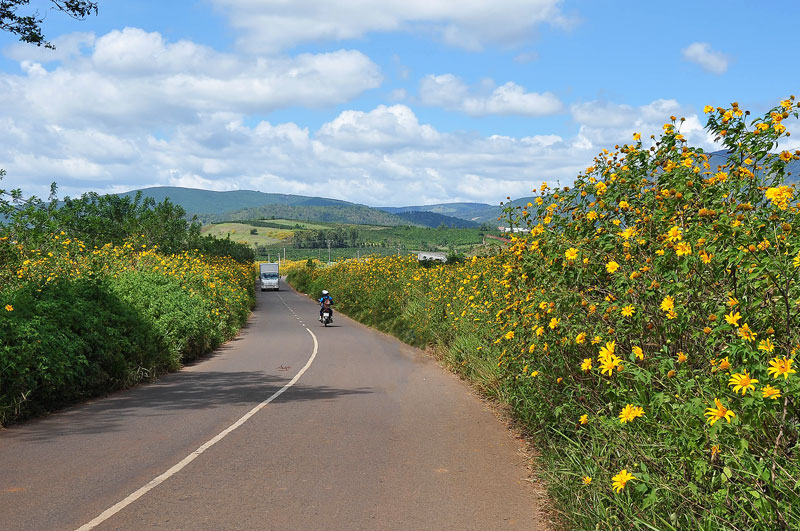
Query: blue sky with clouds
(382, 102)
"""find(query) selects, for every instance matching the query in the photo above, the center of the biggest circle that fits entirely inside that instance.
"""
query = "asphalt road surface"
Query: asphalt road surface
(289, 426)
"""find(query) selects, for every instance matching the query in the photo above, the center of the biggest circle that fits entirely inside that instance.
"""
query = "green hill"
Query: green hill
(474, 212)
(346, 214)
(211, 207)
(196, 201)
(434, 220)
(456, 210)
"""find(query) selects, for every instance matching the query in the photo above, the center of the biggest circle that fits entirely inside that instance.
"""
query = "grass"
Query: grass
(293, 224)
(240, 232)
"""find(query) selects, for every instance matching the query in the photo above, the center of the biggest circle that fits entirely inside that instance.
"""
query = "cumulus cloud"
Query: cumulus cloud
(709, 60)
(385, 127)
(603, 124)
(385, 156)
(132, 78)
(270, 25)
(129, 110)
(66, 47)
(451, 93)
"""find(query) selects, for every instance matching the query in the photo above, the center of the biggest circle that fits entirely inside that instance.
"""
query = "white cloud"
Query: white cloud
(381, 157)
(385, 156)
(384, 127)
(270, 25)
(604, 124)
(66, 47)
(451, 93)
(709, 60)
(136, 79)
(445, 91)
(197, 181)
(398, 94)
(512, 99)
(130, 110)
(526, 57)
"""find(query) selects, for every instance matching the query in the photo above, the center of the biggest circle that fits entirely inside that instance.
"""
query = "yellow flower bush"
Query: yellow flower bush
(698, 237)
(87, 321)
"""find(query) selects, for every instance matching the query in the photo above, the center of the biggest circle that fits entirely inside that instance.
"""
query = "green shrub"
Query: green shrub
(178, 320)
(76, 323)
(68, 340)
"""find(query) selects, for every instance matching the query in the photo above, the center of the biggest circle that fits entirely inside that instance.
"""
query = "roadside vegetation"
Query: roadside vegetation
(99, 293)
(645, 331)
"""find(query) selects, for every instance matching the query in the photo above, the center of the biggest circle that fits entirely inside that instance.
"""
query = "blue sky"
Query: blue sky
(386, 102)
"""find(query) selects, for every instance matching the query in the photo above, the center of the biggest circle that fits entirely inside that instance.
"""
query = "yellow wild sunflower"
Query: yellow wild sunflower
(781, 367)
(733, 318)
(620, 480)
(571, 254)
(719, 412)
(770, 392)
(746, 334)
(742, 382)
(630, 412)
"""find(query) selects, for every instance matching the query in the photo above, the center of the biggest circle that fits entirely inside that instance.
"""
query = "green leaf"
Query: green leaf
(727, 473)
(650, 499)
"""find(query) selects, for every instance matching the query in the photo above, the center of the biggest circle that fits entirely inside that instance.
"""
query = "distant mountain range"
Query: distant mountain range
(475, 212)
(235, 205)
(210, 207)
(458, 210)
(719, 158)
(432, 219)
(199, 202)
(347, 213)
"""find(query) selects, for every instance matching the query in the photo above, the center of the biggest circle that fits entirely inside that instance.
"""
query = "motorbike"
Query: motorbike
(327, 316)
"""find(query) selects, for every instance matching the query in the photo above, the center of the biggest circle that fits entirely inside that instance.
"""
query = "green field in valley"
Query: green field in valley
(241, 232)
(300, 240)
(295, 224)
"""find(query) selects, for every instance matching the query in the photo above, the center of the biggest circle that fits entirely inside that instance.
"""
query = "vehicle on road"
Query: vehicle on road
(326, 317)
(325, 308)
(270, 276)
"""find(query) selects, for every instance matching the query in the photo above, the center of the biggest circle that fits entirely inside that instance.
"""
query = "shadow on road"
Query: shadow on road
(177, 391)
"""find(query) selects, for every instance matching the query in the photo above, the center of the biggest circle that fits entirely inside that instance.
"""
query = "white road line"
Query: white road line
(108, 513)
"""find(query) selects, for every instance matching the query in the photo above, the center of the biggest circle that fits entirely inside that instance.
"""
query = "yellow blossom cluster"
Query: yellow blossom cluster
(655, 297)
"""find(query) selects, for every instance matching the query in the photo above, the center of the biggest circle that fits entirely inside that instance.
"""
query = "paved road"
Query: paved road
(372, 435)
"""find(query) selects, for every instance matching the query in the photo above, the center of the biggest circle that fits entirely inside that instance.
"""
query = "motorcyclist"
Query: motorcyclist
(325, 303)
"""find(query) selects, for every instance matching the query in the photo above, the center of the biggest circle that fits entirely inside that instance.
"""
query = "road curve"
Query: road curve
(373, 435)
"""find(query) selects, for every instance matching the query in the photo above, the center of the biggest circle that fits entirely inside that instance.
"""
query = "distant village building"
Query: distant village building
(439, 257)
(515, 229)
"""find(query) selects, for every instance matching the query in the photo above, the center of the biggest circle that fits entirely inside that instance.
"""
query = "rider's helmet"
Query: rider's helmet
(324, 292)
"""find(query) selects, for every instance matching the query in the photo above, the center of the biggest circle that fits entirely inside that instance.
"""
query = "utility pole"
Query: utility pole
(329, 251)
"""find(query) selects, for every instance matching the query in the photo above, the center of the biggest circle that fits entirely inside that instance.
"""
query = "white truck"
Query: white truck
(270, 277)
